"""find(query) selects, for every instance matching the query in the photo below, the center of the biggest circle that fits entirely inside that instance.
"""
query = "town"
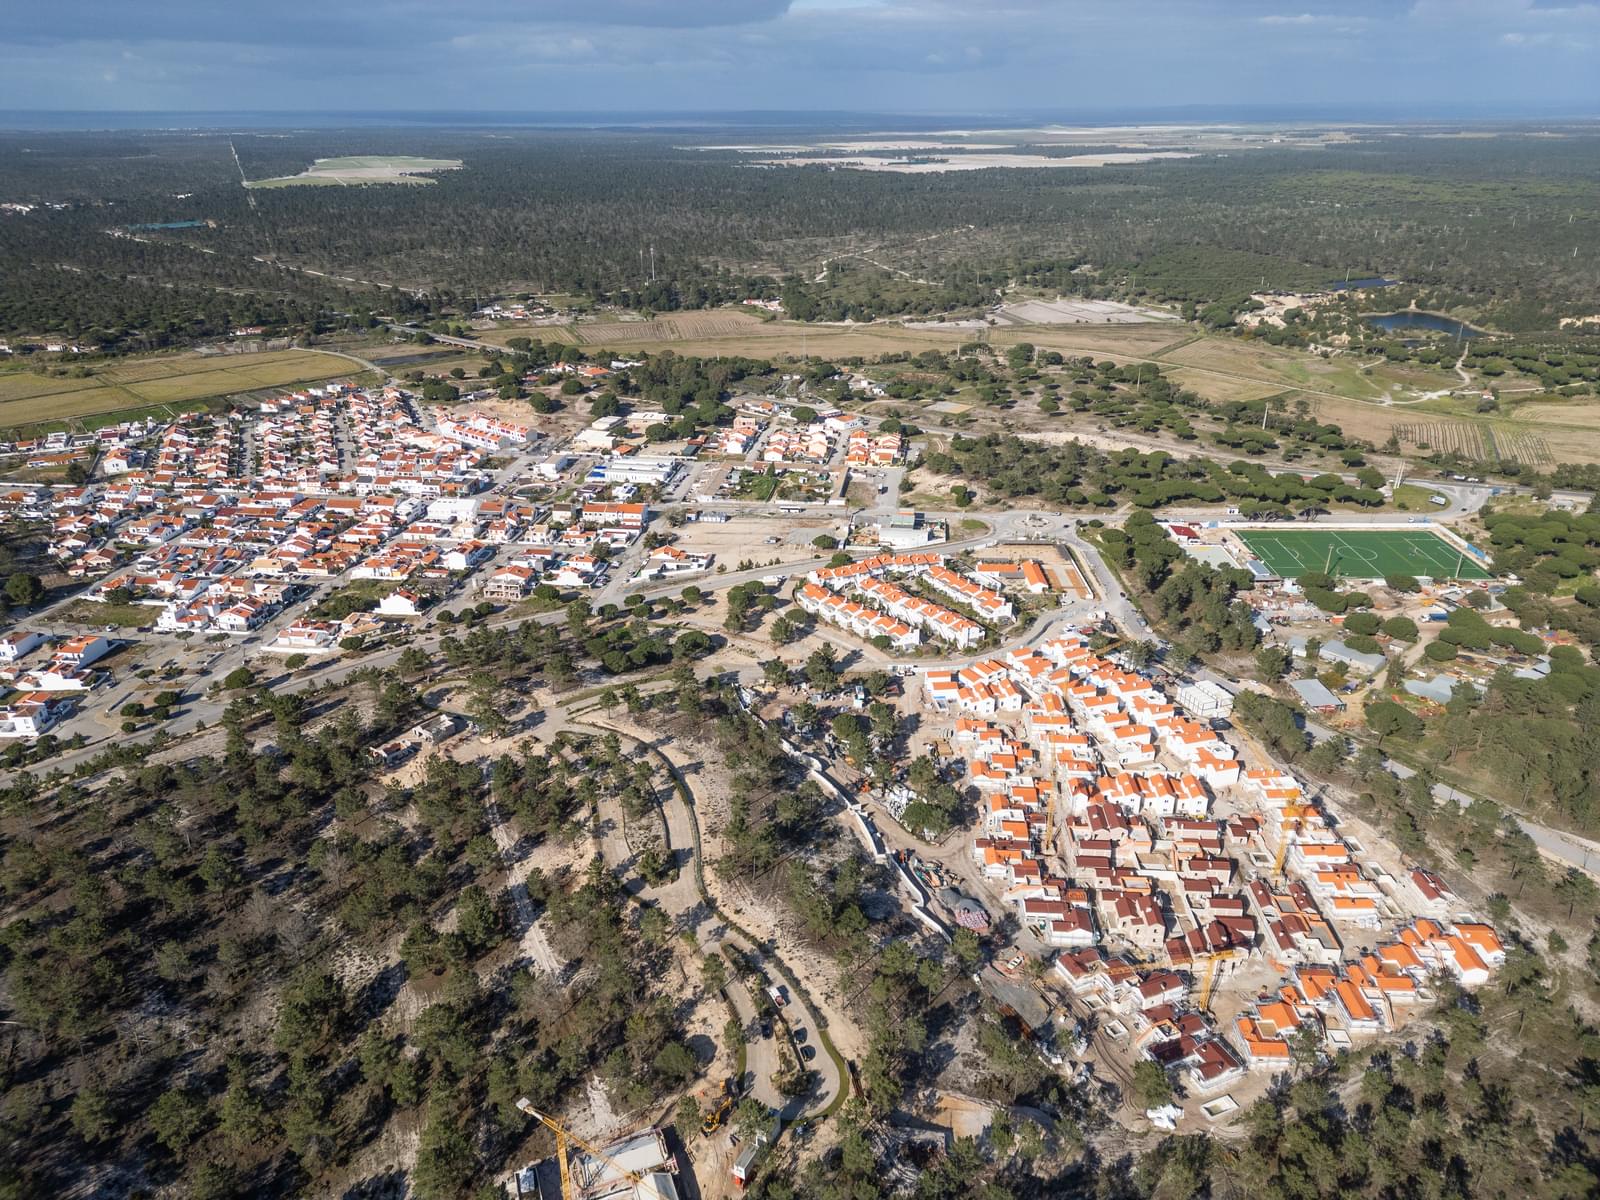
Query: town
(800, 600)
(1151, 885)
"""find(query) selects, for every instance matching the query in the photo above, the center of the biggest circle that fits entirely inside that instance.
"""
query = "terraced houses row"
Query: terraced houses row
(828, 590)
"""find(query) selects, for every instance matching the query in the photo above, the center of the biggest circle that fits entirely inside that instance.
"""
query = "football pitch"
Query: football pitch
(1360, 554)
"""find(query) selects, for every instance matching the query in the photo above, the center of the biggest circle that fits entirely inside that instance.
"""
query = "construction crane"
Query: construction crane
(1283, 848)
(1209, 982)
(563, 1137)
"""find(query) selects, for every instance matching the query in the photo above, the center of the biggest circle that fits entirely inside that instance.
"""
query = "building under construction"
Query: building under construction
(636, 1167)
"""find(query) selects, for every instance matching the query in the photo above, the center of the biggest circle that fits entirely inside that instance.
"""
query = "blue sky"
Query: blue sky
(959, 56)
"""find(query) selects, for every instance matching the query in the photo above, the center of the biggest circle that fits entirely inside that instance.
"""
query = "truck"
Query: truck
(775, 994)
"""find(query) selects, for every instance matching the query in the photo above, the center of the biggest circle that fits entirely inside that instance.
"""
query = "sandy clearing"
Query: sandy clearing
(978, 162)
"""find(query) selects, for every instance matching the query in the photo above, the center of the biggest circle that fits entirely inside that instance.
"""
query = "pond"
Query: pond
(1434, 322)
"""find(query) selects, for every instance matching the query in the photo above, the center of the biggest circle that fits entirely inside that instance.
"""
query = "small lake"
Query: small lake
(170, 225)
(1351, 285)
(1433, 322)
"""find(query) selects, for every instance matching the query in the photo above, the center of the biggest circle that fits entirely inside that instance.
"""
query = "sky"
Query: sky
(1407, 57)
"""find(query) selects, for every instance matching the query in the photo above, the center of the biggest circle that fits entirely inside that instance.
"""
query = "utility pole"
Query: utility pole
(652, 262)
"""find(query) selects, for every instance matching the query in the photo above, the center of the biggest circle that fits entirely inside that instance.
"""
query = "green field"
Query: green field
(1360, 554)
(29, 401)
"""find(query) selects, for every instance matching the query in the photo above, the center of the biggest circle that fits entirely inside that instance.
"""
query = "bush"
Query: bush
(824, 541)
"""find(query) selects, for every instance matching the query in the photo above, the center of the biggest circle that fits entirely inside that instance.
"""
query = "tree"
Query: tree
(775, 672)
(966, 948)
(177, 1118)
(445, 1161)
(1363, 623)
(1402, 629)
(686, 1118)
(1272, 662)
(675, 1061)
(822, 670)
(1151, 1087)
(479, 920)
(239, 677)
(23, 589)
(91, 1114)
(1387, 718)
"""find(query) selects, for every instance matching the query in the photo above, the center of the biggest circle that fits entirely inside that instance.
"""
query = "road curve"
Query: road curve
(681, 898)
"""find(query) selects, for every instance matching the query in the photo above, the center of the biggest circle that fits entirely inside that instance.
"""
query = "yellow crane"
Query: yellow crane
(1210, 979)
(563, 1137)
(1283, 848)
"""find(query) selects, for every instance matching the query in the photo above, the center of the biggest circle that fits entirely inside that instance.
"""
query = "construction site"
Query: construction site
(637, 1166)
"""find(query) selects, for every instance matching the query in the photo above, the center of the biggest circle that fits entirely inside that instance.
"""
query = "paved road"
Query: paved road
(1567, 848)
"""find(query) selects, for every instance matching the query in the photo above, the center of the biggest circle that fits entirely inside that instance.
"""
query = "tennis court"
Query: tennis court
(1360, 553)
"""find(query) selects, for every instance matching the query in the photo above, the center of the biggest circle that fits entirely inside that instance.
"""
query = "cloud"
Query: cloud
(885, 55)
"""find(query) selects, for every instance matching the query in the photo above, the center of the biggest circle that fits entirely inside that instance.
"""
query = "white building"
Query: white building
(17, 643)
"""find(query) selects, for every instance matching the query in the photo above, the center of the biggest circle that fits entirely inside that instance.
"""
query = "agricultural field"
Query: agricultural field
(501, 334)
(355, 170)
(1483, 441)
(1534, 434)
(1360, 553)
(27, 399)
(713, 323)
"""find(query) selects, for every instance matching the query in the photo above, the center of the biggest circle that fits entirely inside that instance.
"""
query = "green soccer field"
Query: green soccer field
(1360, 554)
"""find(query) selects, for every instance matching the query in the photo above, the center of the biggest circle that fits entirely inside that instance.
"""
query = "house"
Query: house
(34, 715)
(1429, 892)
(400, 603)
(81, 651)
(616, 516)
(669, 560)
(18, 642)
(508, 584)
(304, 637)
